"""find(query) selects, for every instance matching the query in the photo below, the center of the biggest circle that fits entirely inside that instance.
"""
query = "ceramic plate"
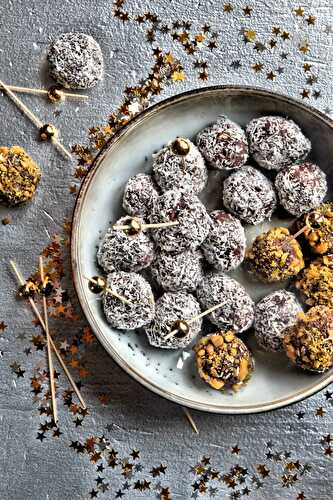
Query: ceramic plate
(275, 383)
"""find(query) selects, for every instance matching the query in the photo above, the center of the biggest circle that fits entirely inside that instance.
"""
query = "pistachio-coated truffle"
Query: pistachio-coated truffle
(19, 176)
(319, 230)
(316, 282)
(309, 343)
(223, 361)
(275, 256)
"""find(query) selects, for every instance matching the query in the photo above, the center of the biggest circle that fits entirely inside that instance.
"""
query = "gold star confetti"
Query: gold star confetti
(178, 76)
(299, 11)
(271, 75)
(311, 20)
(285, 35)
(320, 412)
(304, 48)
(247, 11)
(257, 67)
(3, 326)
(305, 94)
(227, 7)
(250, 35)
(235, 450)
(307, 67)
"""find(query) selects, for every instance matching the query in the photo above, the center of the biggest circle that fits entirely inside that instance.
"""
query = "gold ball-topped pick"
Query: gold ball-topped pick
(48, 132)
(97, 284)
(27, 290)
(46, 286)
(182, 328)
(55, 93)
(180, 146)
(135, 226)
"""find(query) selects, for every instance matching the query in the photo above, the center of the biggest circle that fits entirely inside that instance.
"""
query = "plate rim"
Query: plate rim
(74, 246)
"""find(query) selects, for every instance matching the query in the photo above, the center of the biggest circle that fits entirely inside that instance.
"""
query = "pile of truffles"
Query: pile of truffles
(184, 253)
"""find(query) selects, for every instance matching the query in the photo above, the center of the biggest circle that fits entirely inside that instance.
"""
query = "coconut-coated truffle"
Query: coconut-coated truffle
(249, 195)
(309, 343)
(187, 209)
(139, 195)
(75, 61)
(138, 292)
(225, 244)
(223, 144)
(316, 282)
(275, 256)
(319, 230)
(237, 308)
(176, 272)
(223, 361)
(120, 250)
(19, 176)
(171, 308)
(301, 187)
(272, 315)
(180, 164)
(276, 142)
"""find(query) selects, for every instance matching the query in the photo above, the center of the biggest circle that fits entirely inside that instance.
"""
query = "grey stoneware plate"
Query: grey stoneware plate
(171, 373)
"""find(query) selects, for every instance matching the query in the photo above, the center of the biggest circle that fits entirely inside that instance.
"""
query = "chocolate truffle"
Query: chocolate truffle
(175, 272)
(224, 246)
(237, 309)
(187, 209)
(139, 195)
(301, 187)
(170, 309)
(180, 165)
(275, 256)
(223, 361)
(249, 195)
(223, 144)
(75, 61)
(272, 315)
(120, 250)
(309, 343)
(138, 292)
(19, 176)
(316, 282)
(276, 142)
(319, 231)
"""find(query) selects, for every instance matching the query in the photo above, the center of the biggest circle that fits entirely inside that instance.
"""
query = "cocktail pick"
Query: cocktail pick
(135, 225)
(97, 284)
(43, 290)
(310, 219)
(55, 93)
(182, 327)
(190, 419)
(39, 317)
(47, 132)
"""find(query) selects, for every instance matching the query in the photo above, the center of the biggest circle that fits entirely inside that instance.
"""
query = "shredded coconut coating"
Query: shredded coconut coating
(320, 234)
(316, 282)
(223, 361)
(170, 308)
(187, 209)
(276, 142)
(121, 251)
(223, 144)
(301, 188)
(275, 256)
(237, 311)
(75, 61)
(272, 315)
(249, 195)
(19, 176)
(136, 290)
(186, 172)
(309, 343)
(225, 244)
(139, 195)
(178, 272)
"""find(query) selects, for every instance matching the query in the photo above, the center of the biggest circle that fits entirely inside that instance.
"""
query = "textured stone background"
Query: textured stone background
(130, 417)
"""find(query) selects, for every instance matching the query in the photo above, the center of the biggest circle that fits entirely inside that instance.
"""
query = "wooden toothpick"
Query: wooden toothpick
(37, 91)
(49, 353)
(34, 119)
(190, 419)
(195, 318)
(22, 282)
(102, 287)
(136, 225)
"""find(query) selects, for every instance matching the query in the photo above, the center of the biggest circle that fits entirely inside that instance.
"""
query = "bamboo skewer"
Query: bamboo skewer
(39, 317)
(32, 117)
(37, 91)
(49, 353)
(146, 226)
